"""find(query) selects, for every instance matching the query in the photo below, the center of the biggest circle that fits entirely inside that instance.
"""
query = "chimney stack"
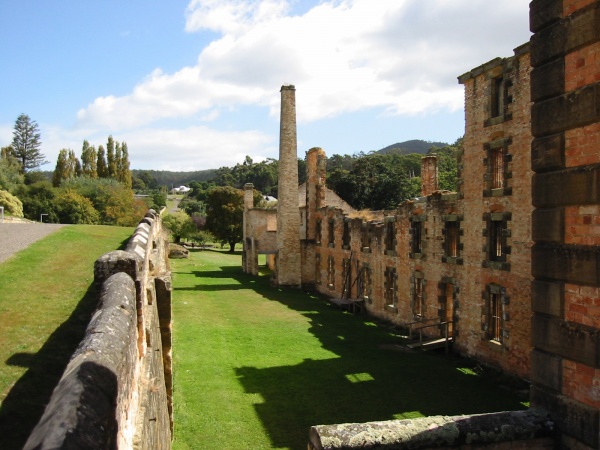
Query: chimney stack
(288, 271)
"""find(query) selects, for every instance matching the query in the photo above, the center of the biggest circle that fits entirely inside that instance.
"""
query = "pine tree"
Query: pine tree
(101, 167)
(89, 160)
(26, 143)
(110, 158)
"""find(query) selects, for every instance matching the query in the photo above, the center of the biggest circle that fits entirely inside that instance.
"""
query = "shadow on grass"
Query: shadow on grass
(372, 378)
(25, 403)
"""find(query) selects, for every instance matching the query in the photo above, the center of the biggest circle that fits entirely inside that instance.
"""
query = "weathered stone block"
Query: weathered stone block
(548, 80)
(571, 417)
(436, 432)
(546, 369)
(84, 409)
(543, 13)
(569, 263)
(566, 339)
(547, 297)
(548, 153)
(114, 262)
(178, 252)
(577, 186)
(548, 225)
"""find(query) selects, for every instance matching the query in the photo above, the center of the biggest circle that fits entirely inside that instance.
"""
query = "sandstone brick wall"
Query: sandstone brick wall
(117, 389)
(427, 284)
(566, 127)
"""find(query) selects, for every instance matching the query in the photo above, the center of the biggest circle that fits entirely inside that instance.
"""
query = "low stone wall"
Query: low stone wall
(116, 391)
(498, 431)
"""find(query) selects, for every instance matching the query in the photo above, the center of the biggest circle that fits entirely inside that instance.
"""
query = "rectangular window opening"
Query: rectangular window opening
(452, 229)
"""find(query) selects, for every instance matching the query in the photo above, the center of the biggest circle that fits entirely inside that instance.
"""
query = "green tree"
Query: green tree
(125, 176)
(39, 198)
(89, 160)
(61, 171)
(10, 174)
(224, 213)
(376, 181)
(114, 202)
(180, 225)
(101, 166)
(11, 204)
(111, 161)
(72, 207)
(26, 143)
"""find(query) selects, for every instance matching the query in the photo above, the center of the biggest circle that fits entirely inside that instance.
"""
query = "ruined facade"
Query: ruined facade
(451, 263)
(507, 265)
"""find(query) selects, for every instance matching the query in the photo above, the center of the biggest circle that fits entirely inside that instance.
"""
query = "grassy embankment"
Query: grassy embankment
(255, 366)
(46, 299)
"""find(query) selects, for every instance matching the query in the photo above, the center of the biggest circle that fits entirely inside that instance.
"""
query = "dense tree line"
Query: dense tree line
(380, 181)
(375, 181)
(112, 163)
(95, 189)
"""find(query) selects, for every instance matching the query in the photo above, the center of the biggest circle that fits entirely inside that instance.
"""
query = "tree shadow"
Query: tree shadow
(372, 378)
(25, 402)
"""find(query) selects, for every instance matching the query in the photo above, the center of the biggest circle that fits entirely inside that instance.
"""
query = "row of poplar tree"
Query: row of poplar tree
(111, 163)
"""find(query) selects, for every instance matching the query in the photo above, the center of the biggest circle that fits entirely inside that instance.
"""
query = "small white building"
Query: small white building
(181, 190)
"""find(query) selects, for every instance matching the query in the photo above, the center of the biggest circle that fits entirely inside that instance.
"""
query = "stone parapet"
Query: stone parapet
(117, 389)
(504, 430)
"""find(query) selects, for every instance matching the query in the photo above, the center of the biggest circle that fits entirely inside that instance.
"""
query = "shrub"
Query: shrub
(75, 208)
(12, 205)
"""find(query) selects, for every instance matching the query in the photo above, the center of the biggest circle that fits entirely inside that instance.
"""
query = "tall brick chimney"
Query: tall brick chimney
(429, 175)
(288, 272)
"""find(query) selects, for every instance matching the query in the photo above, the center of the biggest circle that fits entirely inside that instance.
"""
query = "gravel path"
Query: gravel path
(17, 236)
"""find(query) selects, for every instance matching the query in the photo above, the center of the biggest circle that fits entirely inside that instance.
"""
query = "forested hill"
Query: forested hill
(175, 179)
(413, 146)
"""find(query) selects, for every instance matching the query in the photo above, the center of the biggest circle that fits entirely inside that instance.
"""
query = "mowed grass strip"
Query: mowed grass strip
(256, 366)
(46, 301)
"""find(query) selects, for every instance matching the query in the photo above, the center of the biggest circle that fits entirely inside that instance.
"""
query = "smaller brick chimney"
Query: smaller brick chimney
(429, 175)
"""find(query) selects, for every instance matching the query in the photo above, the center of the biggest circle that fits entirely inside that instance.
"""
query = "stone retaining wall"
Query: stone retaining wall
(117, 390)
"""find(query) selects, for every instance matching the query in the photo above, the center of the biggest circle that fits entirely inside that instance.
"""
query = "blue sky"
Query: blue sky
(194, 84)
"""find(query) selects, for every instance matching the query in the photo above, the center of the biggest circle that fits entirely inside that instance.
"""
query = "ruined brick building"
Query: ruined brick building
(507, 266)
(455, 262)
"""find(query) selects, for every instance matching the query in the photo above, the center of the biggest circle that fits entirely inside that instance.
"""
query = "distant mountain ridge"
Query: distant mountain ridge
(412, 146)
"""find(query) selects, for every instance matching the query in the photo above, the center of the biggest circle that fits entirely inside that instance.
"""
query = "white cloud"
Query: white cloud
(400, 57)
(196, 148)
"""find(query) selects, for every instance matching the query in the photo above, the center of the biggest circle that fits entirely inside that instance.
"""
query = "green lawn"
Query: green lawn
(46, 300)
(256, 366)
